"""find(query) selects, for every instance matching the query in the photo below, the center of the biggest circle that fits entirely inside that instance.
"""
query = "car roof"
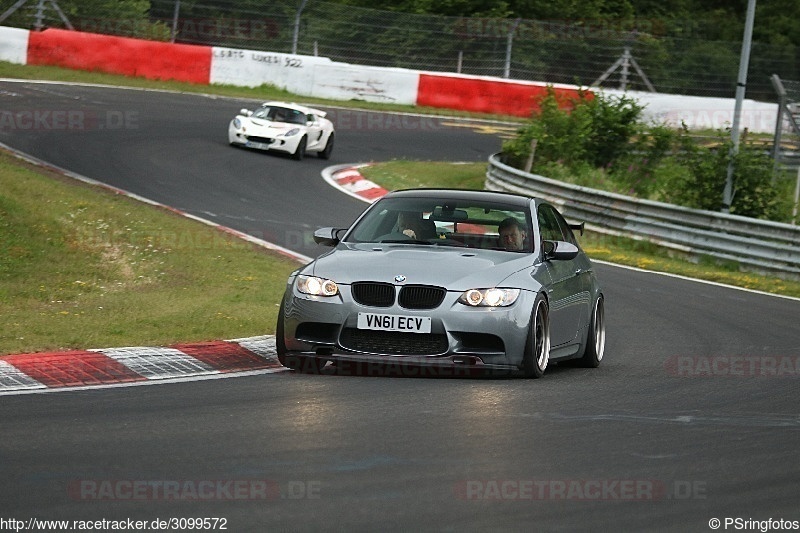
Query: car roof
(465, 195)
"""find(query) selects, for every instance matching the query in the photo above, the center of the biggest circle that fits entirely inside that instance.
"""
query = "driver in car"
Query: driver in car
(408, 223)
(512, 234)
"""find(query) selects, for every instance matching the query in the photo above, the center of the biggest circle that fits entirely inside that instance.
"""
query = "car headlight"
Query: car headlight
(317, 286)
(493, 297)
(293, 131)
(237, 123)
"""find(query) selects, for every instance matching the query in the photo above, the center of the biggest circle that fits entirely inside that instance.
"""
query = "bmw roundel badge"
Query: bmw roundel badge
(399, 278)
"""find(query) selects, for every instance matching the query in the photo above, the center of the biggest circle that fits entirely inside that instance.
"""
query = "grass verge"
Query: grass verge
(402, 174)
(82, 267)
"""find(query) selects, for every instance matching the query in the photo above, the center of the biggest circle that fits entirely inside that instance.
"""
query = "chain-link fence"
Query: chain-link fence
(672, 57)
(786, 147)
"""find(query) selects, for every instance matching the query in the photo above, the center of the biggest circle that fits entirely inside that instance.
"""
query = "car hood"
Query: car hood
(456, 269)
(260, 125)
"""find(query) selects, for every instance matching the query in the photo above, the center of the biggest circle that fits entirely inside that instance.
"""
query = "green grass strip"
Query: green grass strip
(82, 267)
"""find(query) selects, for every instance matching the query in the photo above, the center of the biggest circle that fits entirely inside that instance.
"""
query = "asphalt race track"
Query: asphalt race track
(173, 148)
(693, 415)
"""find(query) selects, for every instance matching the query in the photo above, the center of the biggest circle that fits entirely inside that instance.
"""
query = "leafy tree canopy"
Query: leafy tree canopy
(775, 22)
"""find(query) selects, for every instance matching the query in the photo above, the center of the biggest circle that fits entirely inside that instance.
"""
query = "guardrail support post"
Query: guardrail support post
(529, 162)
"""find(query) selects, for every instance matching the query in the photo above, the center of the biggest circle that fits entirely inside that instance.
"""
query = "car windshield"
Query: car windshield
(445, 222)
(280, 114)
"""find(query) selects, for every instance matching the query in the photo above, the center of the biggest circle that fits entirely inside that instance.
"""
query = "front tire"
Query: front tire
(280, 342)
(300, 151)
(326, 153)
(595, 337)
(537, 348)
(297, 363)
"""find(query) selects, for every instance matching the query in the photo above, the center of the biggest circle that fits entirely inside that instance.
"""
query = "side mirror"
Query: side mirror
(559, 250)
(328, 236)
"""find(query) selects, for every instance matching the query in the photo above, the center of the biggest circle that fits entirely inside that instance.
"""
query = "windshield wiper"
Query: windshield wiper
(450, 242)
(405, 241)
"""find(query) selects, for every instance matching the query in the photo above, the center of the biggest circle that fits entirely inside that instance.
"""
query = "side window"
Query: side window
(548, 224)
(569, 236)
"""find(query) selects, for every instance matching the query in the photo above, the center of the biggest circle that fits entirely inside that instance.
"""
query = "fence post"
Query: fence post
(297, 26)
(776, 148)
(744, 61)
(509, 41)
(796, 198)
(175, 15)
(39, 24)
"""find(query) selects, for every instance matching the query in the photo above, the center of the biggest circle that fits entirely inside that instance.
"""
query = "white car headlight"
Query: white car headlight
(317, 286)
(493, 297)
(293, 131)
(237, 123)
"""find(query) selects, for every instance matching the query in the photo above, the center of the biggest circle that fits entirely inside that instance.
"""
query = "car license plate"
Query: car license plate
(259, 146)
(410, 324)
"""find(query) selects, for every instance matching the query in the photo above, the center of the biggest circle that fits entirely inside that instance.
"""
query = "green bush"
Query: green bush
(640, 170)
(612, 121)
(592, 129)
(598, 141)
(559, 134)
(754, 194)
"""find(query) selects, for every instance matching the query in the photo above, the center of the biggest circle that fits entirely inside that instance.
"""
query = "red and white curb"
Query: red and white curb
(137, 365)
(349, 180)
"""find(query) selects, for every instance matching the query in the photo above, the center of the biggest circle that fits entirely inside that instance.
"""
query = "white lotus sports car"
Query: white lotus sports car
(283, 127)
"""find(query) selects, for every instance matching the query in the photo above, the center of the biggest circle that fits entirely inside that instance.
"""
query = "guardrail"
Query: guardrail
(757, 245)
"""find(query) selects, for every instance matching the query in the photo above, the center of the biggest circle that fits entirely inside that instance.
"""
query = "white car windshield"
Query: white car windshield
(280, 114)
(445, 222)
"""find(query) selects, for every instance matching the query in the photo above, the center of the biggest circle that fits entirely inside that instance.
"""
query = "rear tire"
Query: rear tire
(326, 153)
(595, 337)
(537, 348)
(300, 151)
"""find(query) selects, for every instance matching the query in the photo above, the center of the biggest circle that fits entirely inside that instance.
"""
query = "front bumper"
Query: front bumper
(277, 143)
(461, 337)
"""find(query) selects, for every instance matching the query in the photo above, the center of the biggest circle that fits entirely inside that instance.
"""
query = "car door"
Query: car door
(313, 131)
(566, 292)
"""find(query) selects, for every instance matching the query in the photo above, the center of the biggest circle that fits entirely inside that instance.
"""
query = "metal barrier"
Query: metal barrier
(757, 245)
